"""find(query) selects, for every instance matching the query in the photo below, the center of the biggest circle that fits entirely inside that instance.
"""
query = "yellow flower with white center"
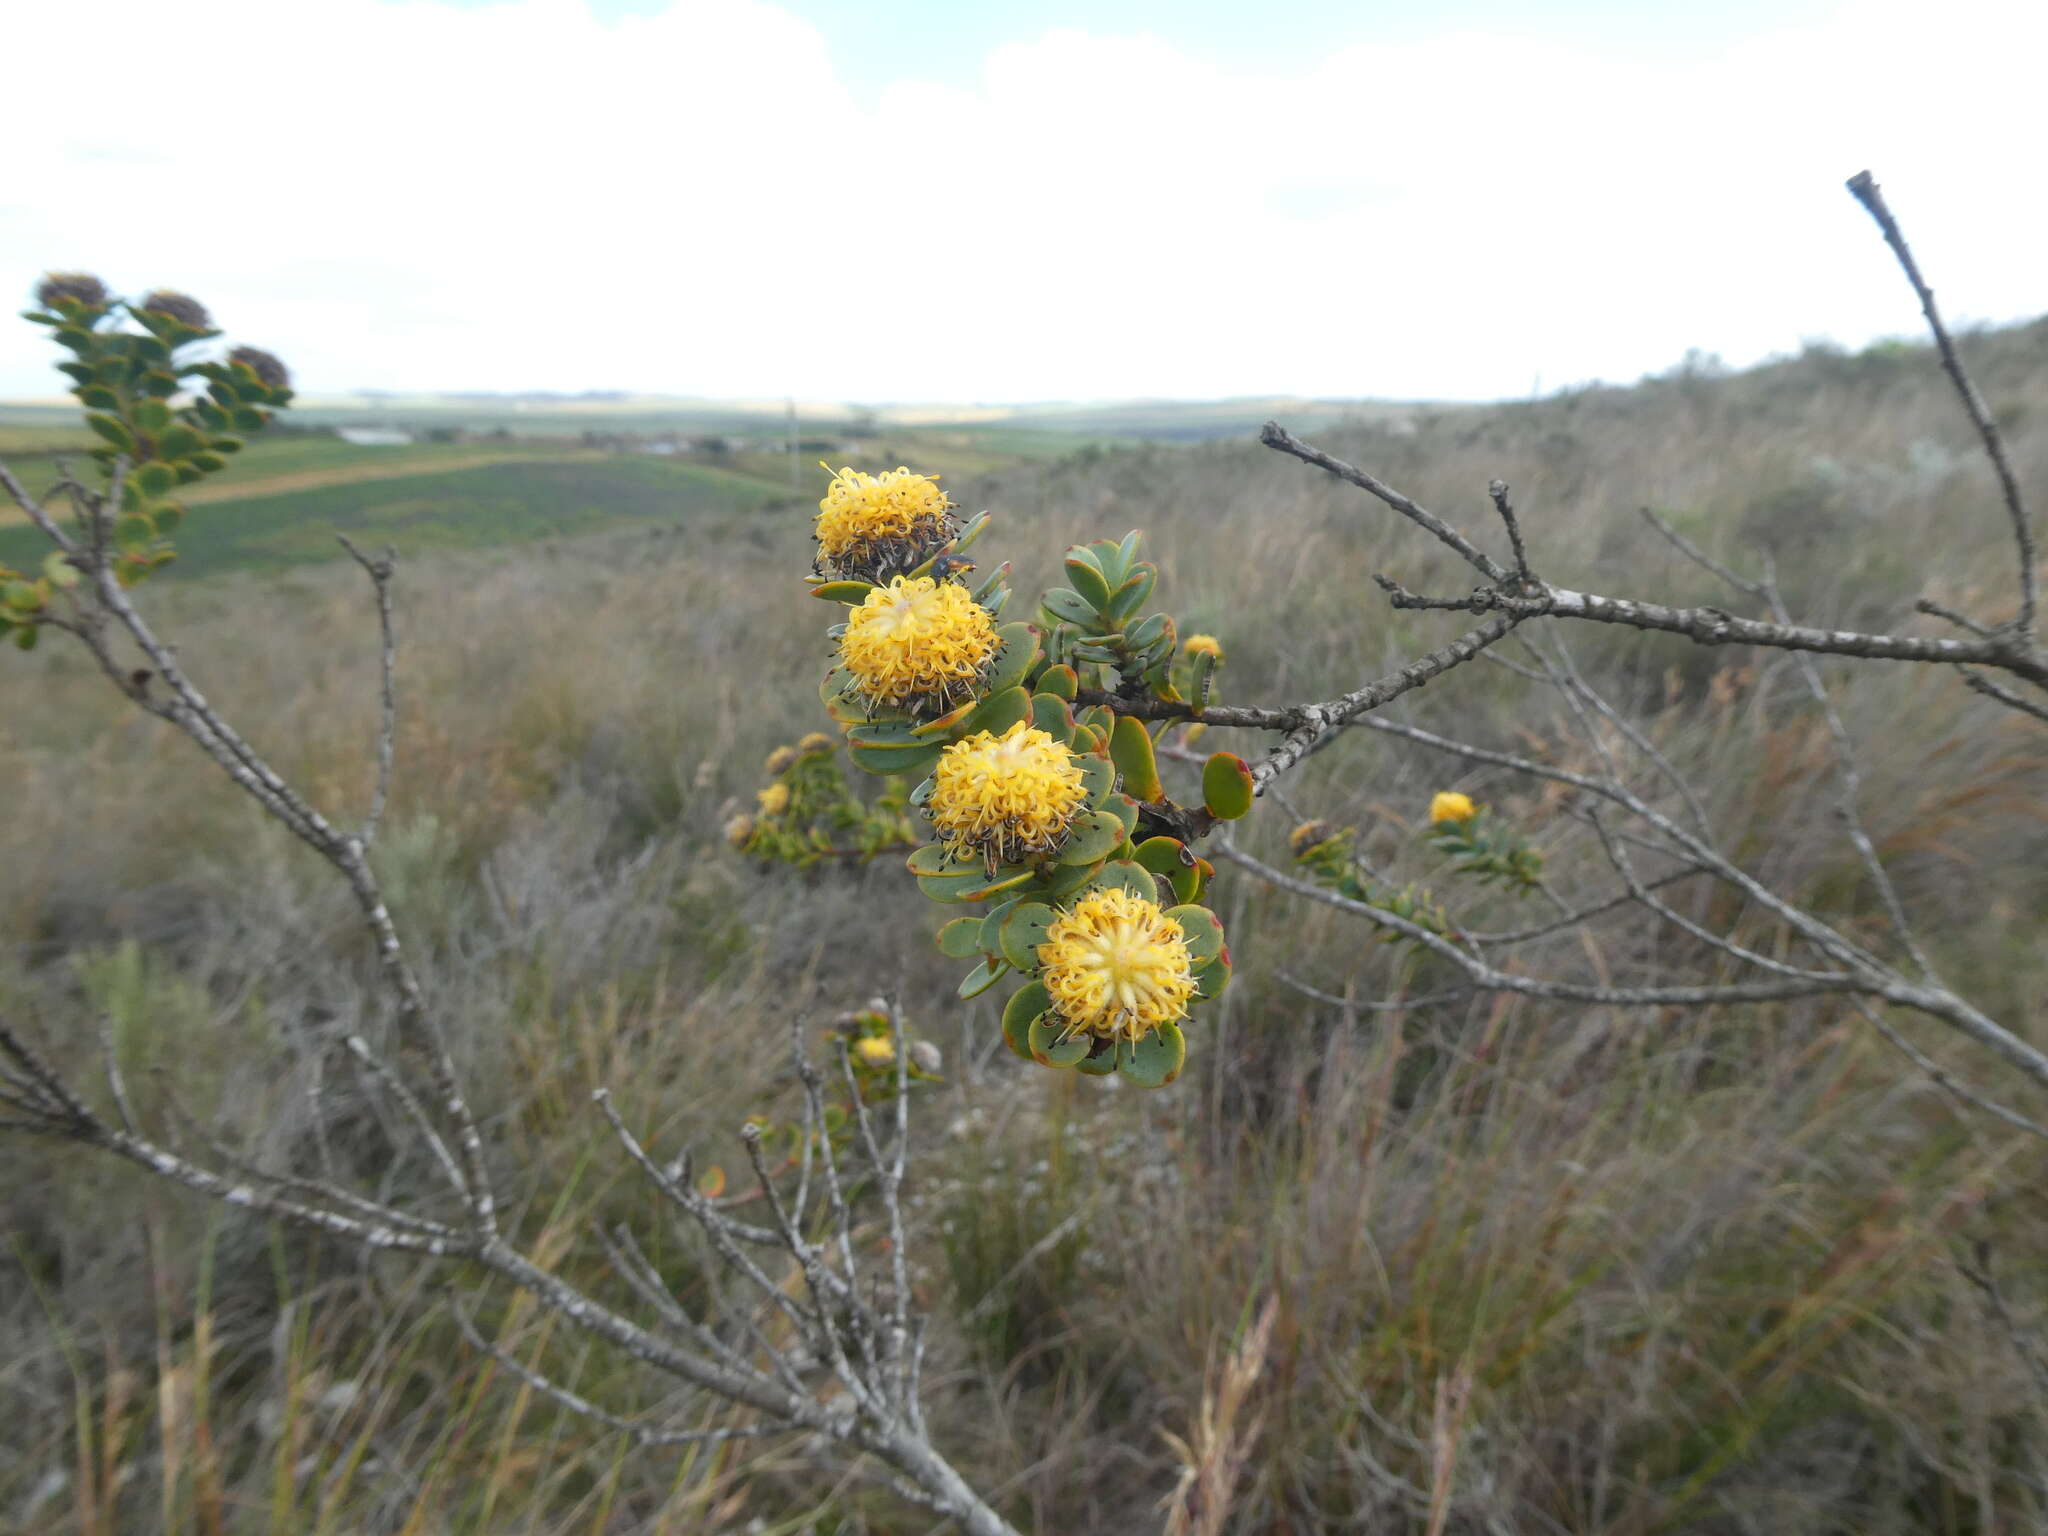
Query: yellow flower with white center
(774, 799)
(1007, 797)
(875, 1050)
(1449, 805)
(875, 526)
(915, 644)
(1116, 966)
(1203, 645)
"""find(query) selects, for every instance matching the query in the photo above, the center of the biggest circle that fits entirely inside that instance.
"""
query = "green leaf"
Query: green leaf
(133, 530)
(1169, 856)
(179, 441)
(1062, 682)
(892, 759)
(1019, 653)
(1065, 603)
(1227, 786)
(99, 397)
(152, 480)
(1103, 1058)
(1086, 576)
(152, 415)
(1211, 979)
(976, 526)
(1094, 837)
(982, 977)
(999, 711)
(1201, 929)
(25, 637)
(1022, 931)
(60, 571)
(1125, 809)
(1024, 1006)
(1048, 1049)
(933, 859)
(1130, 597)
(1130, 748)
(1098, 778)
(1122, 874)
(961, 938)
(1049, 713)
(1110, 557)
(946, 725)
(852, 593)
(111, 429)
(1156, 1060)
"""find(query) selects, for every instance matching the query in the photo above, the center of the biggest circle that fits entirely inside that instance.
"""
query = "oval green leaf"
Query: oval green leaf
(1020, 1012)
(1157, 1059)
(1226, 786)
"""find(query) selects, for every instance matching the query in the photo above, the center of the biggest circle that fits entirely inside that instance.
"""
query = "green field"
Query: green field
(456, 509)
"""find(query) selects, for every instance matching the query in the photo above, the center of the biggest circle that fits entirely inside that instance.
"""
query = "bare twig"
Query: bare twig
(379, 571)
(1863, 187)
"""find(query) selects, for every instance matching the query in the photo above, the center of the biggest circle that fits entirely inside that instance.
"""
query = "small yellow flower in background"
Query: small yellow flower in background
(1449, 805)
(875, 1050)
(1005, 797)
(780, 761)
(774, 799)
(1309, 835)
(1116, 965)
(916, 643)
(1203, 645)
(871, 526)
(817, 741)
(738, 830)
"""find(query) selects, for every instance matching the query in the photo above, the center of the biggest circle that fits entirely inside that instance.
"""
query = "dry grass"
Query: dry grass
(1485, 1268)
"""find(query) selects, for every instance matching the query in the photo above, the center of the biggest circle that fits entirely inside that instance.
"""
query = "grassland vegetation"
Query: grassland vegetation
(1510, 1264)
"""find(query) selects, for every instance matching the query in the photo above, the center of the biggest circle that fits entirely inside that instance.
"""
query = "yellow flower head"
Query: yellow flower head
(774, 799)
(875, 1050)
(1449, 805)
(738, 830)
(1116, 965)
(1203, 645)
(875, 526)
(780, 761)
(817, 741)
(1007, 796)
(913, 644)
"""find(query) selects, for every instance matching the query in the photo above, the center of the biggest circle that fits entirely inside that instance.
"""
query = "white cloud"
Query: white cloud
(400, 194)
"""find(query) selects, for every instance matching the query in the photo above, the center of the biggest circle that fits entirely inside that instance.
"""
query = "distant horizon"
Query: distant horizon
(778, 405)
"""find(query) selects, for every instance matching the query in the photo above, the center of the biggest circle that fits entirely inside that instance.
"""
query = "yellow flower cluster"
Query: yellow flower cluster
(1116, 965)
(917, 643)
(1449, 805)
(774, 799)
(871, 526)
(1203, 645)
(1005, 797)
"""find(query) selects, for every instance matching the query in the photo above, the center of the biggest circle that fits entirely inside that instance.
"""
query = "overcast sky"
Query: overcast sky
(929, 200)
